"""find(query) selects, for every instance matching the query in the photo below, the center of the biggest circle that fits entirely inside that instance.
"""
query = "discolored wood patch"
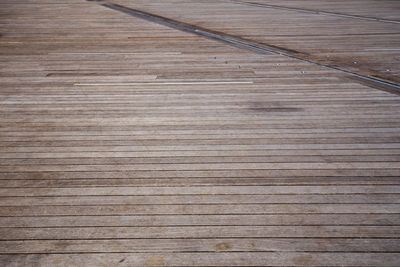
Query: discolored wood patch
(223, 246)
(155, 260)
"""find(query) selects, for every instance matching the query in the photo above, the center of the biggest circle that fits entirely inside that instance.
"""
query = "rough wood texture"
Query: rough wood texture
(128, 143)
(340, 33)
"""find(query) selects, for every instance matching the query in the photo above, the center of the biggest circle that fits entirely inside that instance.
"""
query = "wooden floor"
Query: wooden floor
(129, 143)
(338, 33)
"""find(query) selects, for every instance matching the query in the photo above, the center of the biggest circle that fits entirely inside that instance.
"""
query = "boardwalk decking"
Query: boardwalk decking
(340, 33)
(125, 142)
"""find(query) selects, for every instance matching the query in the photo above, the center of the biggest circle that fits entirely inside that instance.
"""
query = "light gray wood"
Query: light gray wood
(206, 259)
(128, 143)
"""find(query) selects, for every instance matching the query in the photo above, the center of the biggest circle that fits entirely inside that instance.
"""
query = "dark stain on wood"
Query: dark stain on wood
(223, 246)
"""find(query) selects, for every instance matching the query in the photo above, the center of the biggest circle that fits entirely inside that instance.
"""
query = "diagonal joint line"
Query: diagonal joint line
(241, 42)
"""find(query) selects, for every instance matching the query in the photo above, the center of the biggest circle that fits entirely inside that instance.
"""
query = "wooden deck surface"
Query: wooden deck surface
(125, 142)
(338, 33)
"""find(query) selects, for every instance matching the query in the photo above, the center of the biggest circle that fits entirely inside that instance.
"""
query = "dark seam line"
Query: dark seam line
(209, 238)
(184, 195)
(186, 163)
(181, 195)
(316, 12)
(207, 251)
(239, 185)
(203, 204)
(200, 225)
(237, 42)
(186, 27)
(211, 131)
(321, 179)
(200, 204)
(192, 214)
(172, 214)
(195, 185)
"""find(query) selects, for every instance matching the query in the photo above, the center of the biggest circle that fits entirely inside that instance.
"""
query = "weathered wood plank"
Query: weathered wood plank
(207, 259)
(128, 143)
(177, 220)
(201, 232)
(200, 245)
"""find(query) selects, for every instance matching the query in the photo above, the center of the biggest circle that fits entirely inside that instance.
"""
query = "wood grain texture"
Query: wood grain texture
(357, 36)
(124, 142)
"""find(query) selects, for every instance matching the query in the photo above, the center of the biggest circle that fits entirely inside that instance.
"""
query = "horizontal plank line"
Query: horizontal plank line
(211, 238)
(200, 204)
(226, 184)
(158, 195)
(174, 186)
(193, 251)
(194, 170)
(188, 225)
(205, 150)
(164, 83)
(241, 183)
(178, 156)
(187, 214)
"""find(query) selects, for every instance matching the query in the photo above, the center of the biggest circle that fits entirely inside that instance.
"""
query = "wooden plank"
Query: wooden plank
(200, 245)
(203, 199)
(219, 208)
(207, 259)
(202, 232)
(202, 190)
(127, 143)
(177, 220)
